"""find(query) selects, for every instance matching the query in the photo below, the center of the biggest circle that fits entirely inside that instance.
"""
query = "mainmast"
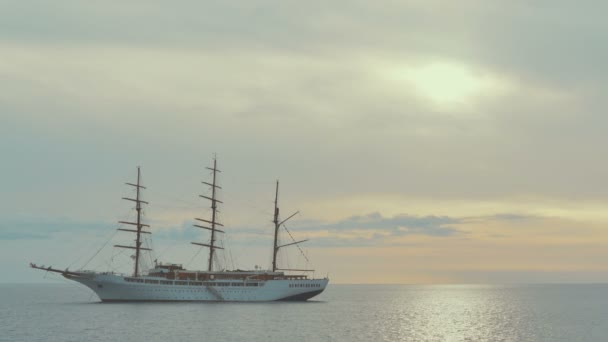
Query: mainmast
(211, 245)
(138, 224)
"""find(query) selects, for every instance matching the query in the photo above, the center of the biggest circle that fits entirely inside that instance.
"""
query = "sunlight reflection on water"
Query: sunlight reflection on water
(455, 313)
(480, 313)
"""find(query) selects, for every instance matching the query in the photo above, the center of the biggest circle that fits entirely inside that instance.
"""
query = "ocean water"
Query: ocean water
(70, 312)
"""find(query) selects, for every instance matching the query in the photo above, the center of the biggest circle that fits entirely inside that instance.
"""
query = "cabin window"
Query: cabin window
(134, 280)
(220, 284)
(166, 282)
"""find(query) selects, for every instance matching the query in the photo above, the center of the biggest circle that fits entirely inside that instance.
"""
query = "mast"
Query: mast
(138, 224)
(138, 209)
(277, 225)
(275, 248)
(212, 247)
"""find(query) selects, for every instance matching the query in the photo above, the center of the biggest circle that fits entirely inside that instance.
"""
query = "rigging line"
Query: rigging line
(189, 207)
(294, 240)
(219, 265)
(170, 197)
(114, 255)
(231, 259)
(146, 243)
(111, 265)
(116, 269)
(99, 250)
(194, 256)
(297, 245)
(121, 251)
(224, 254)
(116, 225)
(158, 256)
(152, 251)
(228, 243)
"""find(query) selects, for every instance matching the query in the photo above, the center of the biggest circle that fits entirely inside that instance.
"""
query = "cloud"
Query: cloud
(397, 225)
(504, 217)
(376, 230)
(46, 229)
(366, 230)
(274, 72)
(184, 232)
(370, 229)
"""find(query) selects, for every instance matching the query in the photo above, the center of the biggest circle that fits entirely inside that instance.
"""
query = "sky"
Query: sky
(420, 141)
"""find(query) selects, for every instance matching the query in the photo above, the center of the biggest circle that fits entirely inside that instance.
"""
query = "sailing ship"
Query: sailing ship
(172, 282)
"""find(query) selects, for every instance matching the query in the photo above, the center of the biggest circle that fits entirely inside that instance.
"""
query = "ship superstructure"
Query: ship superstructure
(172, 282)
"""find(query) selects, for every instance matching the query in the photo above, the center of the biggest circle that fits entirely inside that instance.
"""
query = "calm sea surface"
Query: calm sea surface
(64, 312)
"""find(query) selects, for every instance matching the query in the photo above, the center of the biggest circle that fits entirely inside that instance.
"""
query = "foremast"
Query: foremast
(213, 222)
(139, 225)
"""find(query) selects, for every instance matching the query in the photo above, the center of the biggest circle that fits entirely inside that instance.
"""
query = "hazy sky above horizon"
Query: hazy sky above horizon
(422, 141)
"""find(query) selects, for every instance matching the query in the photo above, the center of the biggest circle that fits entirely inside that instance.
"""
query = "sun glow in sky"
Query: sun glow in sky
(444, 83)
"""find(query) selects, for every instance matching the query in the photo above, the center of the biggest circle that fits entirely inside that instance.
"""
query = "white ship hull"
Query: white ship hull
(117, 288)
